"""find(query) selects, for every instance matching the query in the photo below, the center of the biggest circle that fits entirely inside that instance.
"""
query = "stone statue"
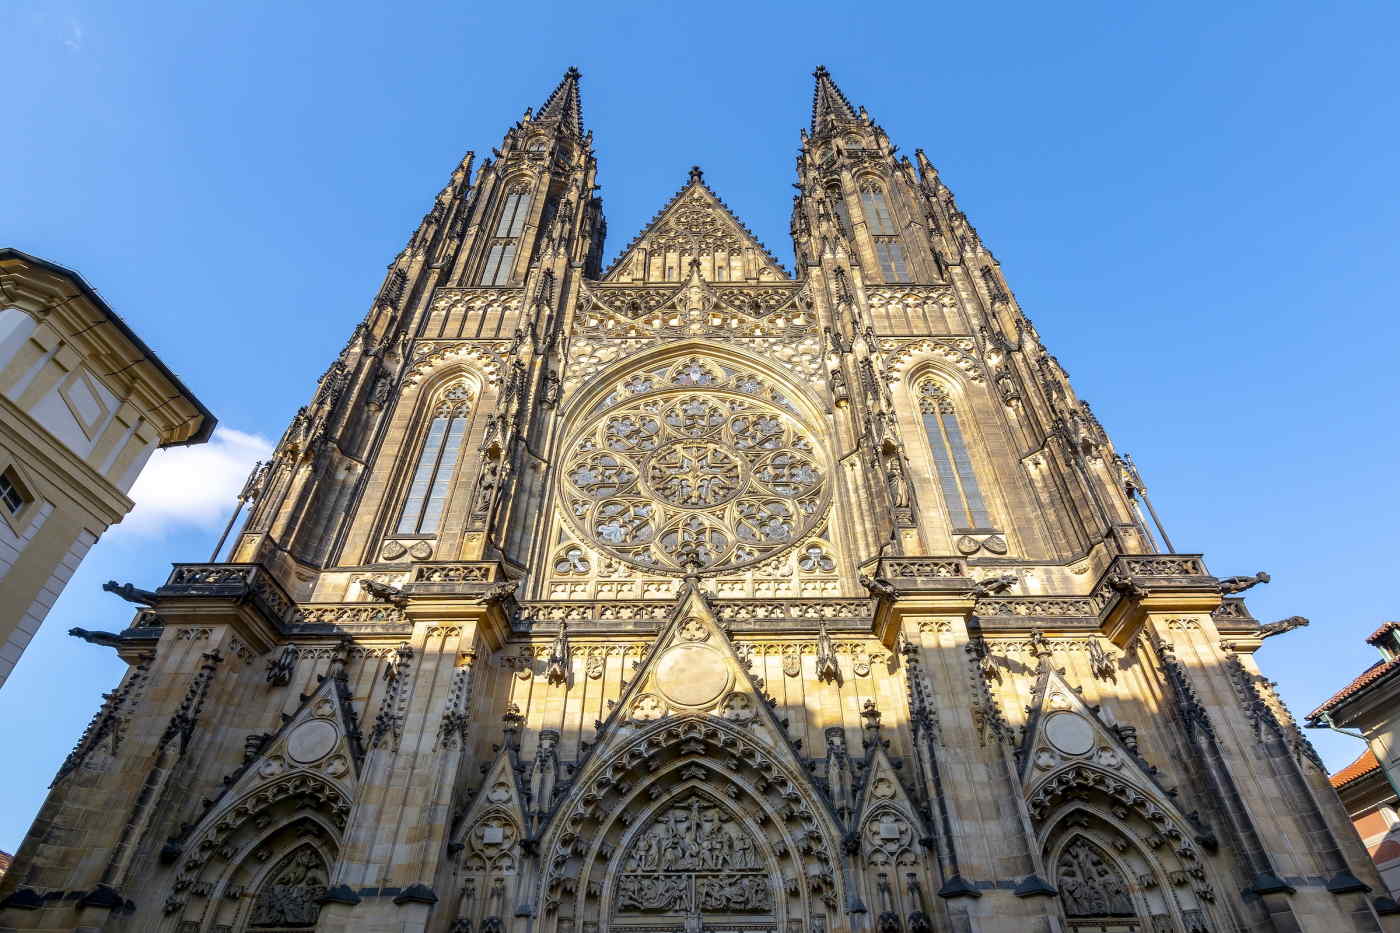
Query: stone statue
(383, 592)
(990, 586)
(1281, 626)
(111, 639)
(879, 587)
(130, 593)
(1231, 585)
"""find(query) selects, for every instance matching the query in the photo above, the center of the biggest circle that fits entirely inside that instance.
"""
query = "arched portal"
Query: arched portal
(691, 825)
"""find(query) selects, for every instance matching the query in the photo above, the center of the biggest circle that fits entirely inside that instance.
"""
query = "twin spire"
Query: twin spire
(566, 106)
(828, 103)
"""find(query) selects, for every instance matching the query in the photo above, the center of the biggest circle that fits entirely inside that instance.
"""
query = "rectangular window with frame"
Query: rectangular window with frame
(13, 496)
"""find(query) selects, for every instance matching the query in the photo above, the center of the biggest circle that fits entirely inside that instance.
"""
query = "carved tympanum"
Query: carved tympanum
(289, 898)
(694, 856)
(1090, 885)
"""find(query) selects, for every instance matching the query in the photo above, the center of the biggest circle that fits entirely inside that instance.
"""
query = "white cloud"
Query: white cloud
(75, 35)
(194, 486)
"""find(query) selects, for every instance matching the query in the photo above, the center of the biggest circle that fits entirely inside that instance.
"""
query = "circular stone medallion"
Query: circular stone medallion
(1069, 733)
(692, 675)
(312, 741)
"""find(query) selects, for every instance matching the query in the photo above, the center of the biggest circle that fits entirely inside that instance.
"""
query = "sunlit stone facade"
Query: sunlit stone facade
(694, 593)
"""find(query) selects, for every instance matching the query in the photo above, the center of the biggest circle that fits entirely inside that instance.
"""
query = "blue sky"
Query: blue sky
(1194, 202)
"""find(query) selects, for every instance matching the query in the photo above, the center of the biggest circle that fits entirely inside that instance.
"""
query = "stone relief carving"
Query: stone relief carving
(694, 857)
(290, 896)
(1090, 886)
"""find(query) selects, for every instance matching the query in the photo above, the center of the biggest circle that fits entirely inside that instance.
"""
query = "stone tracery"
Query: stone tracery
(665, 478)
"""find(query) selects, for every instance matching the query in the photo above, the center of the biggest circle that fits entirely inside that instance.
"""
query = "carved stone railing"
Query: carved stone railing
(912, 574)
(340, 615)
(1162, 565)
(920, 568)
(816, 610)
(1232, 610)
(1036, 606)
(233, 581)
(457, 572)
(632, 610)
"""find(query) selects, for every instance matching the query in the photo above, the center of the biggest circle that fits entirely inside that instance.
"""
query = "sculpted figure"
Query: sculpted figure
(1232, 585)
(1281, 626)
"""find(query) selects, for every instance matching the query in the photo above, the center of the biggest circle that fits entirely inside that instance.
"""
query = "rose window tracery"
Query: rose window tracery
(694, 464)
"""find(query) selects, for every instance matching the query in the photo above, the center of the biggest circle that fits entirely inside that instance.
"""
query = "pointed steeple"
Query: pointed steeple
(828, 103)
(564, 104)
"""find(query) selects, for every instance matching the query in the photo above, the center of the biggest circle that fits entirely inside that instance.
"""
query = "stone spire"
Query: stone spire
(564, 104)
(828, 103)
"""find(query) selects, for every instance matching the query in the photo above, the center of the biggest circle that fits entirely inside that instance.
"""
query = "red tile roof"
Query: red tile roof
(1385, 629)
(1361, 767)
(1367, 677)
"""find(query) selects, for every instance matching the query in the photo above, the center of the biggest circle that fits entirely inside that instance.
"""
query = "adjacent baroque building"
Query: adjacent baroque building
(84, 403)
(694, 593)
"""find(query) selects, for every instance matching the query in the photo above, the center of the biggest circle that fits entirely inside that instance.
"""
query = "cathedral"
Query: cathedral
(694, 593)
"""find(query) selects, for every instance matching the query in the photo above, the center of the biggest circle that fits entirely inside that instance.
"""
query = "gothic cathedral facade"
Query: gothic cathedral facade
(693, 593)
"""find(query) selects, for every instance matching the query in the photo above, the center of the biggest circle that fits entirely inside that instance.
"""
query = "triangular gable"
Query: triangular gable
(695, 225)
(887, 822)
(318, 743)
(692, 668)
(495, 821)
(1063, 730)
(323, 736)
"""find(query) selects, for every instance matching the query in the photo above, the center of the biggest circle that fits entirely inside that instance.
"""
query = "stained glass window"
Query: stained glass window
(956, 478)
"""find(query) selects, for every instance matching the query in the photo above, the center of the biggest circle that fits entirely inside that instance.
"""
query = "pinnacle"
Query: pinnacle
(564, 103)
(828, 102)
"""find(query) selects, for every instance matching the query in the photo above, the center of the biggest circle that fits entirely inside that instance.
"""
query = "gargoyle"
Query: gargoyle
(105, 639)
(993, 585)
(879, 586)
(1281, 626)
(497, 594)
(1125, 585)
(383, 592)
(1232, 585)
(130, 593)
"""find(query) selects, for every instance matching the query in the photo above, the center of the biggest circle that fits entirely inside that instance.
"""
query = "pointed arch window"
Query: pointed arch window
(956, 478)
(500, 254)
(878, 218)
(894, 265)
(437, 464)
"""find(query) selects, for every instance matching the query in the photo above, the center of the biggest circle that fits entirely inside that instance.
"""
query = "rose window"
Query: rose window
(694, 465)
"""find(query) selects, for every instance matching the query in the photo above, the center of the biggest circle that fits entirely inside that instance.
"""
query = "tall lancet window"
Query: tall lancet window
(956, 478)
(878, 219)
(894, 264)
(437, 463)
(500, 255)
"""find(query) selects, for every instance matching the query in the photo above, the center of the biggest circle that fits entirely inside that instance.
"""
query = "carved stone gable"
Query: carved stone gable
(696, 226)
